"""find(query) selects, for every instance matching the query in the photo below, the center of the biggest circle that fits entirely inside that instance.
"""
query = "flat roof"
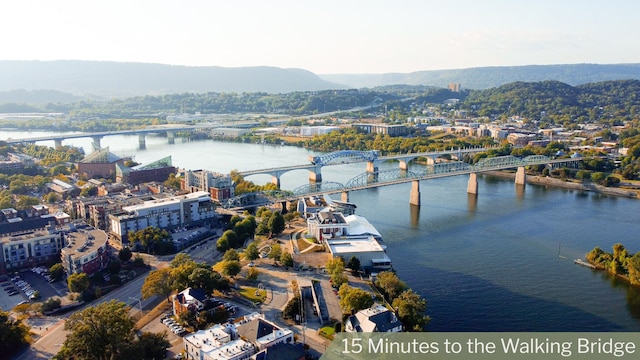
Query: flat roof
(77, 244)
(354, 244)
(166, 201)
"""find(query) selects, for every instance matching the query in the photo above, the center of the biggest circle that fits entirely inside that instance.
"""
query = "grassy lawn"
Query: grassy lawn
(327, 332)
(253, 294)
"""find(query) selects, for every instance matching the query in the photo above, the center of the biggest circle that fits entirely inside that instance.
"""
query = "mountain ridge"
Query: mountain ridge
(124, 79)
(64, 81)
(478, 78)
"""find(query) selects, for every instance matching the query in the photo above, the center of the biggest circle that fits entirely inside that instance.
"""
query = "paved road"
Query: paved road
(54, 336)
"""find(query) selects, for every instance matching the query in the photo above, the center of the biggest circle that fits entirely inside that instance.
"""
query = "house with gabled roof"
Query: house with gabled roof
(263, 333)
(189, 300)
(374, 319)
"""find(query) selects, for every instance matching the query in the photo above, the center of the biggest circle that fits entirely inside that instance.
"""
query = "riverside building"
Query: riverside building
(194, 209)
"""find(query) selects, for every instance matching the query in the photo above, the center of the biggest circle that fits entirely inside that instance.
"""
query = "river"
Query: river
(499, 261)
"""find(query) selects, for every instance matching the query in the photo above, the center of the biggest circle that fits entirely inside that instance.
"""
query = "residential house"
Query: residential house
(374, 319)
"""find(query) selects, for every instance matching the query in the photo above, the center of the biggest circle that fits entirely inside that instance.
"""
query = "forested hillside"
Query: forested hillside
(488, 77)
(556, 102)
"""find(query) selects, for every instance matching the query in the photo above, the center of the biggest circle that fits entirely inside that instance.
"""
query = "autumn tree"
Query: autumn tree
(158, 282)
(335, 269)
(252, 274)
(390, 284)
(354, 299)
(78, 282)
(411, 310)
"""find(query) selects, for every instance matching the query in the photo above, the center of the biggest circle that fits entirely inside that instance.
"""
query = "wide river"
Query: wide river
(501, 261)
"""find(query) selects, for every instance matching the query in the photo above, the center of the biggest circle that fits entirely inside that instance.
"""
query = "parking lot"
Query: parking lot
(18, 288)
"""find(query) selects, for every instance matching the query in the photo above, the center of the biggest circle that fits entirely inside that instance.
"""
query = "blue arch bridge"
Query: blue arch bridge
(372, 177)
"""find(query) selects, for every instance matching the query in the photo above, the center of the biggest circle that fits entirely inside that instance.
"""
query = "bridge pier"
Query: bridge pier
(414, 198)
(521, 177)
(344, 196)
(431, 160)
(404, 165)
(372, 166)
(315, 175)
(275, 180)
(57, 143)
(95, 143)
(142, 141)
(171, 137)
(472, 184)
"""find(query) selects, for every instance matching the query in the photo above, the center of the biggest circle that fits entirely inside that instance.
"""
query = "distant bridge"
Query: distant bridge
(371, 157)
(377, 178)
(170, 130)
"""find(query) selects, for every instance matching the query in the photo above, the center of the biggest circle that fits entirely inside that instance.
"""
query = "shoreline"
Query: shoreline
(553, 182)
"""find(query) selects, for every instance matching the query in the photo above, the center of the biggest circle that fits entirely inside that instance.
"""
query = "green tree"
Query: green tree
(390, 284)
(78, 282)
(251, 252)
(222, 245)
(52, 198)
(203, 278)
(89, 191)
(290, 217)
(150, 346)
(354, 264)
(14, 335)
(335, 269)
(231, 238)
(154, 239)
(276, 223)
(286, 259)
(252, 274)
(231, 254)
(104, 331)
(172, 182)
(51, 304)
(231, 268)
(56, 271)
(354, 299)
(158, 282)
(275, 252)
(633, 267)
(125, 254)
(411, 310)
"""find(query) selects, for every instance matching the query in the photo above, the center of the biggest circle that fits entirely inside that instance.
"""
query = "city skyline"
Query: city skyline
(331, 37)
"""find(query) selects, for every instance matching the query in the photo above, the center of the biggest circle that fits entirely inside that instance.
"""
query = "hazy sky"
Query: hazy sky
(326, 37)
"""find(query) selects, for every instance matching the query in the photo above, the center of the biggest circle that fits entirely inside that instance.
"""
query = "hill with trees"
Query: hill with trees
(121, 79)
(555, 102)
(487, 77)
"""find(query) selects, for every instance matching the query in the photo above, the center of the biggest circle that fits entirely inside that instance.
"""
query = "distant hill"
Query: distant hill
(555, 102)
(38, 97)
(489, 77)
(118, 79)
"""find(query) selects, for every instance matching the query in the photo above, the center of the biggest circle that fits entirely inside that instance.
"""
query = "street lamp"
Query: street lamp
(139, 304)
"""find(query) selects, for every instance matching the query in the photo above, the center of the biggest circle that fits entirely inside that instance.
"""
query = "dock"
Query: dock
(584, 263)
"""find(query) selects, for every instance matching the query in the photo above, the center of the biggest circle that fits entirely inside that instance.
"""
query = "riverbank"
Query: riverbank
(566, 184)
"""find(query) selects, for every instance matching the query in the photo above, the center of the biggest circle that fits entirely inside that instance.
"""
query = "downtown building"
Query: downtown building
(28, 238)
(85, 251)
(194, 209)
(219, 186)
